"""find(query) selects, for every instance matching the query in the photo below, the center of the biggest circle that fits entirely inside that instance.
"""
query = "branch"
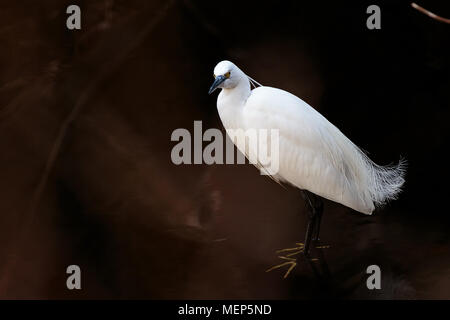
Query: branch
(430, 14)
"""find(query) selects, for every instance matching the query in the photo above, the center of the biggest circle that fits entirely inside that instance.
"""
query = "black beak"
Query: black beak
(216, 83)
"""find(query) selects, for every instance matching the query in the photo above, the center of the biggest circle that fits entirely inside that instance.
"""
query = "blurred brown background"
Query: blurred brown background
(112, 202)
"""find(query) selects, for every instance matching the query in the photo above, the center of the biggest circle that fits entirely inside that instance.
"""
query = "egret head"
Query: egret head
(226, 75)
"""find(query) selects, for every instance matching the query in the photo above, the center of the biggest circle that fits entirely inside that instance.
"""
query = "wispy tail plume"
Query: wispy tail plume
(387, 181)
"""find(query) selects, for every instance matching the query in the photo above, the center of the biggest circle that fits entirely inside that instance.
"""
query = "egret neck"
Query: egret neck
(231, 101)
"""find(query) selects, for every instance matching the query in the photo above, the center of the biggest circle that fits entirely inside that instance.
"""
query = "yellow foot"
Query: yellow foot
(289, 254)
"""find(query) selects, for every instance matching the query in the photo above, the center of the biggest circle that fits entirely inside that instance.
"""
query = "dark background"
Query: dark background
(86, 176)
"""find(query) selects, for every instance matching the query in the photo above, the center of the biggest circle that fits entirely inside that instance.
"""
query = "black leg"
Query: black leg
(309, 233)
(319, 212)
(314, 206)
(315, 210)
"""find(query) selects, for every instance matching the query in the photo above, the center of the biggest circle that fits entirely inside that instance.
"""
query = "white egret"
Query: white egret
(314, 155)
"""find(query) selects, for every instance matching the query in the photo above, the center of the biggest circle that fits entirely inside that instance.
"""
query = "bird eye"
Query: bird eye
(227, 75)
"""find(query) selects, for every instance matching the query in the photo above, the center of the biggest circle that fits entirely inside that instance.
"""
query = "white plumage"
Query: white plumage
(314, 155)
